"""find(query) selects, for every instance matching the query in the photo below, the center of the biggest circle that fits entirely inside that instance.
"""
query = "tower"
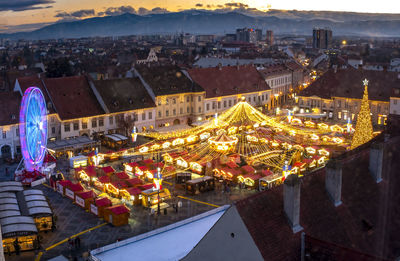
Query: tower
(363, 131)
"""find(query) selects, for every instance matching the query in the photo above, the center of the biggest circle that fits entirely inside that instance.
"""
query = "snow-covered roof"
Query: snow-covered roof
(164, 240)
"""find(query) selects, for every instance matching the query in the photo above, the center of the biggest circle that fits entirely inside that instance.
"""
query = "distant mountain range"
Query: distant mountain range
(211, 22)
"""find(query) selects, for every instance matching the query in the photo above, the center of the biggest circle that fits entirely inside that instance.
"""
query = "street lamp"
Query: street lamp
(158, 186)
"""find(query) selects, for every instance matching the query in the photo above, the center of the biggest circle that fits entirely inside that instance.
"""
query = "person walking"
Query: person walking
(77, 243)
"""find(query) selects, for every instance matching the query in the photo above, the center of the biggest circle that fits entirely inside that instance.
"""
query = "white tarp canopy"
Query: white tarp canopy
(161, 244)
(32, 192)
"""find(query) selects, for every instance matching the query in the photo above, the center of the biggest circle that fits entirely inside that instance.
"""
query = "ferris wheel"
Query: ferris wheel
(33, 128)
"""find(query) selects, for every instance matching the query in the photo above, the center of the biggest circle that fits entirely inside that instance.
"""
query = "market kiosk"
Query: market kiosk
(62, 185)
(99, 205)
(117, 215)
(200, 185)
(150, 197)
(132, 194)
(85, 198)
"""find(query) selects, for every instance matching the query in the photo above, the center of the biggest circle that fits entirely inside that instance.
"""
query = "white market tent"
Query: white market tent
(187, 232)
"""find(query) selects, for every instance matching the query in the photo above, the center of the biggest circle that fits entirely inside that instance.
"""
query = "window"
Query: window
(84, 125)
(230, 103)
(150, 115)
(167, 113)
(76, 126)
(214, 106)
(339, 115)
(174, 112)
(159, 101)
(111, 120)
(143, 116)
(4, 135)
(199, 109)
(94, 123)
(224, 104)
(219, 105)
(339, 104)
(199, 99)
(66, 127)
(262, 97)
(207, 107)
(17, 131)
(254, 98)
(395, 102)
(379, 108)
(187, 109)
(167, 101)
(135, 116)
(191, 97)
(159, 114)
(53, 130)
(101, 122)
(192, 110)
(173, 101)
(181, 110)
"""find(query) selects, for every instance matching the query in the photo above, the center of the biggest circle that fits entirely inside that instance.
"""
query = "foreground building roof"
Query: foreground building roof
(172, 242)
(228, 80)
(347, 83)
(364, 227)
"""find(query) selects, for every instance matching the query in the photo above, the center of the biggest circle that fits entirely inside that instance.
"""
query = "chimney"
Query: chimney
(333, 181)
(220, 66)
(291, 201)
(376, 161)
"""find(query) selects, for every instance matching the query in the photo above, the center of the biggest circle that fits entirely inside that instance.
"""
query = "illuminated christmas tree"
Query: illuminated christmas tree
(363, 131)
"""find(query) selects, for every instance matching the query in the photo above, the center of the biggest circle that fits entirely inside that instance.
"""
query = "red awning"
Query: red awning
(133, 191)
(253, 176)
(108, 169)
(75, 187)
(134, 182)
(119, 209)
(119, 184)
(146, 186)
(103, 202)
(91, 171)
(86, 194)
(231, 164)
(104, 179)
(248, 169)
(65, 182)
(148, 161)
(133, 164)
(122, 175)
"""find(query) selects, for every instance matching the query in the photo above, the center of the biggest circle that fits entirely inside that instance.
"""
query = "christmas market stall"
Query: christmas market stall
(200, 185)
(132, 195)
(108, 170)
(117, 215)
(62, 185)
(87, 174)
(72, 189)
(85, 198)
(19, 234)
(33, 203)
(101, 182)
(150, 197)
(99, 205)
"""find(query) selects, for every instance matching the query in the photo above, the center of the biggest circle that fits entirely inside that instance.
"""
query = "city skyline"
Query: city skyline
(27, 15)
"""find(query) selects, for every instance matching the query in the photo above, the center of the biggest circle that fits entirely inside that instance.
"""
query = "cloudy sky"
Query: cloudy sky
(17, 15)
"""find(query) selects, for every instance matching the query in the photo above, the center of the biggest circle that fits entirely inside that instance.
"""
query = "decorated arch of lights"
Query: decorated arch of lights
(245, 132)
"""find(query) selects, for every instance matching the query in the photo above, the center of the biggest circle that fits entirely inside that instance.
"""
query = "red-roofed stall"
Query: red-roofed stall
(108, 170)
(116, 215)
(84, 198)
(134, 182)
(62, 185)
(120, 176)
(99, 205)
(132, 194)
(72, 189)
(130, 167)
